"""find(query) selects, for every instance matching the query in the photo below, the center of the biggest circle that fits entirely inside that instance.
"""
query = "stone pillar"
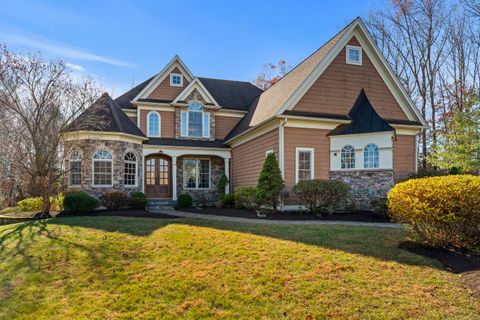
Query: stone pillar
(226, 162)
(174, 178)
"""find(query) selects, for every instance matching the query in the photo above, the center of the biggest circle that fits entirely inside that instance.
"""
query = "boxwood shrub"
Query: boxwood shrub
(245, 197)
(442, 211)
(138, 200)
(321, 196)
(79, 202)
(114, 200)
(184, 200)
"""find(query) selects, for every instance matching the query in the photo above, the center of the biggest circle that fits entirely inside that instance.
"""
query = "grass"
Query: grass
(10, 211)
(137, 268)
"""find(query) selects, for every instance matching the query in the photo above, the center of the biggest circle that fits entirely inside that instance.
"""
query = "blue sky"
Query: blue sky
(124, 42)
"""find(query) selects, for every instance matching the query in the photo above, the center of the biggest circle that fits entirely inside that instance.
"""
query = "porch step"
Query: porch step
(159, 204)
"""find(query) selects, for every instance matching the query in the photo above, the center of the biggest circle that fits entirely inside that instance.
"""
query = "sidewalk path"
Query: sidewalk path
(264, 221)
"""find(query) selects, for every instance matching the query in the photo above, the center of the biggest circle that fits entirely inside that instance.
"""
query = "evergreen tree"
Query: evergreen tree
(459, 145)
(270, 183)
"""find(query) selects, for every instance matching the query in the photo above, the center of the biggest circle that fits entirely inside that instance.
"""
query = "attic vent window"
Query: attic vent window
(354, 55)
(176, 80)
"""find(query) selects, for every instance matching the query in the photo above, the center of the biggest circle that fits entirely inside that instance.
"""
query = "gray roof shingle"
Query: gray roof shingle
(104, 115)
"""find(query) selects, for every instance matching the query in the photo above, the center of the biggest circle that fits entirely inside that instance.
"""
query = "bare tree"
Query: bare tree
(412, 35)
(472, 6)
(39, 99)
(271, 74)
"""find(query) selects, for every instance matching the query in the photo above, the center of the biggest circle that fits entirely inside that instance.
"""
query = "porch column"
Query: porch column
(226, 162)
(174, 178)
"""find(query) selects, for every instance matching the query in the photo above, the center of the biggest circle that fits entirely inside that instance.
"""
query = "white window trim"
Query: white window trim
(93, 169)
(312, 162)
(355, 151)
(159, 125)
(348, 61)
(203, 119)
(363, 156)
(268, 152)
(70, 168)
(136, 170)
(176, 75)
(197, 170)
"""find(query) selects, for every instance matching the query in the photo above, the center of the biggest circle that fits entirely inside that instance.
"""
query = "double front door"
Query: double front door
(158, 176)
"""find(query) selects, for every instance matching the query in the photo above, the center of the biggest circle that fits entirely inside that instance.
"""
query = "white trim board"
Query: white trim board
(359, 31)
(198, 85)
(162, 75)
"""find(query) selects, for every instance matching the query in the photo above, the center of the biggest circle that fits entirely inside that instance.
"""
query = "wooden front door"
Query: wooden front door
(158, 177)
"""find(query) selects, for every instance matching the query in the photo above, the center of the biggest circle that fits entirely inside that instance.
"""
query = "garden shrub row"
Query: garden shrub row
(321, 196)
(442, 211)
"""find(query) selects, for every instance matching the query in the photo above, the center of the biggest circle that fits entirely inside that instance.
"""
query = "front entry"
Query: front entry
(158, 176)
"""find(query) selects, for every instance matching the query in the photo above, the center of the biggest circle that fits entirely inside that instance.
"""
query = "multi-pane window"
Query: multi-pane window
(196, 174)
(164, 171)
(304, 164)
(130, 169)
(195, 122)
(176, 80)
(75, 168)
(153, 124)
(371, 158)
(102, 168)
(354, 55)
(348, 157)
(150, 172)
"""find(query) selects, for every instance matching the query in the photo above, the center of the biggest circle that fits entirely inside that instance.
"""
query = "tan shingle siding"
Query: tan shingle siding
(166, 92)
(404, 157)
(223, 125)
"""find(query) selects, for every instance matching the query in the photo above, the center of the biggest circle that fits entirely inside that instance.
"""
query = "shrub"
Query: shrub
(380, 206)
(114, 200)
(184, 200)
(79, 202)
(35, 203)
(321, 196)
(222, 183)
(228, 200)
(138, 200)
(270, 183)
(441, 211)
(245, 197)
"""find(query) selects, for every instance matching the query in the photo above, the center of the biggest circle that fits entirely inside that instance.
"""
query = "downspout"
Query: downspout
(281, 154)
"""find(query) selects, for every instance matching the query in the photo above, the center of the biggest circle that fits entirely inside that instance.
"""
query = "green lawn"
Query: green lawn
(133, 268)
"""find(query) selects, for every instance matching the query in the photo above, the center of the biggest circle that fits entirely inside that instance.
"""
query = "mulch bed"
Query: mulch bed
(250, 214)
(119, 213)
(466, 264)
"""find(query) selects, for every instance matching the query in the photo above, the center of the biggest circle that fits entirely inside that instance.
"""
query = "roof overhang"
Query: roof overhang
(101, 135)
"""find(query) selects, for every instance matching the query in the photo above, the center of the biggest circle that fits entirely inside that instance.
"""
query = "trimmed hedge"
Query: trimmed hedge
(442, 211)
(79, 202)
(138, 200)
(184, 200)
(114, 200)
(35, 203)
(228, 200)
(321, 196)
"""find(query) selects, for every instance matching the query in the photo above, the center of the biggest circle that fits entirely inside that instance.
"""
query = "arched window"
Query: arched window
(153, 124)
(371, 156)
(195, 122)
(130, 170)
(76, 168)
(102, 168)
(348, 157)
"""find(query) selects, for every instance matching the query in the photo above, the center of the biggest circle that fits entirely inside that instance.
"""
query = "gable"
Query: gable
(164, 91)
(196, 91)
(337, 88)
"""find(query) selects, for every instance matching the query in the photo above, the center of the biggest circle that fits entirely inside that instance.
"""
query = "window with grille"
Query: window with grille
(196, 174)
(348, 157)
(153, 124)
(102, 168)
(195, 122)
(130, 169)
(75, 168)
(304, 164)
(371, 157)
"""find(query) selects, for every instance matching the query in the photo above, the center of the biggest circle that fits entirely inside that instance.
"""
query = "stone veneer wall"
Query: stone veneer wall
(118, 149)
(365, 185)
(202, 197)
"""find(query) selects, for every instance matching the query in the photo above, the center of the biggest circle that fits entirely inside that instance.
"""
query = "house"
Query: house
(339, 114)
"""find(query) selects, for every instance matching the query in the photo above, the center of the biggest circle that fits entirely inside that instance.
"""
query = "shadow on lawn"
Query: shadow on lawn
(380, 243)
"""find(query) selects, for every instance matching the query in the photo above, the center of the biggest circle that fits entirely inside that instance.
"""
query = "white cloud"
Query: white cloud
(75, 67)
(61, 49)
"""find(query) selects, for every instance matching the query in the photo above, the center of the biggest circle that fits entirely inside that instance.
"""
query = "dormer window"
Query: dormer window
(354, 55)
(195, 122)
(176, 80)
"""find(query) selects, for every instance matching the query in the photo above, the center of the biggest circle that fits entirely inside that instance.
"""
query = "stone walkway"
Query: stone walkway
(264, 221)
